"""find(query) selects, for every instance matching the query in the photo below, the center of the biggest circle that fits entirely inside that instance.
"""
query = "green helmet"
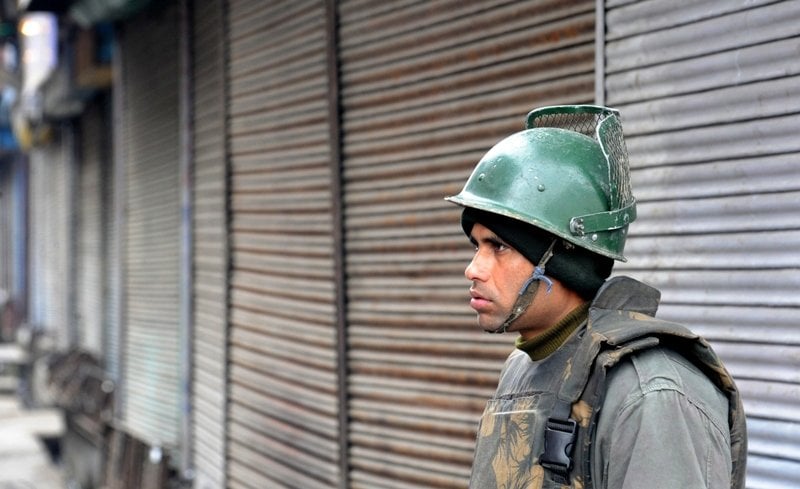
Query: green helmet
(567, 173)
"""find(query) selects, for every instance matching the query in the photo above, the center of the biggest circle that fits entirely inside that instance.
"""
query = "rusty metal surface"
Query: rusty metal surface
(283, 423)
(709, 97)
(150, 389)
(210, 245)
(427, 88)
(93, 224)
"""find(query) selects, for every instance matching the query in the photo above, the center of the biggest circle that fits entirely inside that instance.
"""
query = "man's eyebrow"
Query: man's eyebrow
(496, 240)
(491, 239)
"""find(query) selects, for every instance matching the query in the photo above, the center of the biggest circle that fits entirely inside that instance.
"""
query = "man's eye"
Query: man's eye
(499, 246)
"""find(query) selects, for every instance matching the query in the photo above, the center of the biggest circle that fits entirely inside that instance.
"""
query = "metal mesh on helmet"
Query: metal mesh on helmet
(582, 122)
(609, 135)
(602, 125)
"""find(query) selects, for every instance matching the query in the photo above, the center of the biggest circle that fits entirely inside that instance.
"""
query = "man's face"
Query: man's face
(497, 272)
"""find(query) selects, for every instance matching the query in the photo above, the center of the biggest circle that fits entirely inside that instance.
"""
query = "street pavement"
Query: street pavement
(25, 462)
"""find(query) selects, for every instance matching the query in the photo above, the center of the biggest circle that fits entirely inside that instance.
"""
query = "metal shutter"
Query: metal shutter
(210, 246)
(151, 386)
(112, 341)
(51, 201)
(14, 263)
(92, 225)
(710, 97)
(427, 88)
(283, 399)
(13, 236)
(6, 240)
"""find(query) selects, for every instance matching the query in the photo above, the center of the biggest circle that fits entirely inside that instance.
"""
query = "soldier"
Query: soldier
(597, 393)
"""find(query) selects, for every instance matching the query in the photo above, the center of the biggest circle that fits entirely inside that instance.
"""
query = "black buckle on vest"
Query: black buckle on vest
(559, 440)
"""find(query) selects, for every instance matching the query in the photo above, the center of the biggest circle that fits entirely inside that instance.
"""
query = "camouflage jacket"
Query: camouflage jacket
(671, 415)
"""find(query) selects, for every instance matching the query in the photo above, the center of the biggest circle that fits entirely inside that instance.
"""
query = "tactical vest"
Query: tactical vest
(537, 431)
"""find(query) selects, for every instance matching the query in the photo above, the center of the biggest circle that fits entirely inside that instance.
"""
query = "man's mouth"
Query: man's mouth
(478, 301)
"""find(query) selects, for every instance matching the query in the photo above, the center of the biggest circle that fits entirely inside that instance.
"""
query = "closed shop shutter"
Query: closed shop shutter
(51, 199)
(283, 396)
(149, 119)
(112, 280)
(210, 246)
(6, 210)
(7, 245)
(92, 224)
(14, 269)
(427, 88)
(36, 215)
(710, 97)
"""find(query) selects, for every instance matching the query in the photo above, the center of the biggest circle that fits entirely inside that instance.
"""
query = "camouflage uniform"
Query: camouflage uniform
(663, 424)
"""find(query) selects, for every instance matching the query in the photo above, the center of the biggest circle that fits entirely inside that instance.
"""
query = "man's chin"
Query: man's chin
(493, 327)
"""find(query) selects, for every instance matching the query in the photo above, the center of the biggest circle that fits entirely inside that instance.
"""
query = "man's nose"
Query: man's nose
(477, 269)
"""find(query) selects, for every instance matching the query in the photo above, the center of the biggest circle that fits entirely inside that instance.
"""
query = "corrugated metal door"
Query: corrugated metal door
(427, 88)
(150, 371)
(116, 228)
(93, 219)
(6, 213)
(7, 271)
(283, 396)
(51, 201)
(210, 246)
(16, 269)
(710, 96)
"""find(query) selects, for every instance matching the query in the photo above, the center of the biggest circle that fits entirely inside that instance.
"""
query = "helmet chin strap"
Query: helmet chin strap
(528, 291)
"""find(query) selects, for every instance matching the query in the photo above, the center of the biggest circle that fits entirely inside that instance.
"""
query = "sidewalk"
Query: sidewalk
(25, 462)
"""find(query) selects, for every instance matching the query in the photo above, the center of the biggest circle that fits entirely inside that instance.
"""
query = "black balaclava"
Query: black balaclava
(578, 269)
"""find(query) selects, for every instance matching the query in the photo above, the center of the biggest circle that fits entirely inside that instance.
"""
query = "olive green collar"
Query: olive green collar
(542, 345)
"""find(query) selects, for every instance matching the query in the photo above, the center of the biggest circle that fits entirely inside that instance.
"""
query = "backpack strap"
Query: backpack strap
(595, 355)
(611, 336)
